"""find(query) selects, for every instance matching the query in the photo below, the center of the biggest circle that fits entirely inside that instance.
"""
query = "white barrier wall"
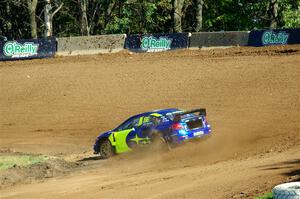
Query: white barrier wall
(90, 44)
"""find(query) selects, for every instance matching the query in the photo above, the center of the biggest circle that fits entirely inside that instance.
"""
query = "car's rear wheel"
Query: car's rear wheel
(158, 142)
(106, 149)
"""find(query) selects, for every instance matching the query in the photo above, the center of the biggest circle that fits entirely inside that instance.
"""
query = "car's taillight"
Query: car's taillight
(204, 120)
(176, 126)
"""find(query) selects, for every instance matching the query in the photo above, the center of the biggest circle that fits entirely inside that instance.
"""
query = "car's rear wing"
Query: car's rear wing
(177, 116)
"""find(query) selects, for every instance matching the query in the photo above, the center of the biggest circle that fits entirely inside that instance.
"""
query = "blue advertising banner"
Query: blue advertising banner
(156, 42)
(274, 37)
(27, 49)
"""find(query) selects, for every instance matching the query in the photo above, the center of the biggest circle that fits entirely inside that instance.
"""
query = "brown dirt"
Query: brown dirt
(252, 95)
(35, 173)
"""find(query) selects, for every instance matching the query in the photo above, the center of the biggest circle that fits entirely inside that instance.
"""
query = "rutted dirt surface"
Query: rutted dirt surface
(252, 95)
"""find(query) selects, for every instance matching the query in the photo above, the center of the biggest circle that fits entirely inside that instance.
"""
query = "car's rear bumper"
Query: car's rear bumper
(182, 135)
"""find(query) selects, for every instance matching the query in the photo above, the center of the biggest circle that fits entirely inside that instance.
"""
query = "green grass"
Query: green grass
(9, 161)
(268, 195)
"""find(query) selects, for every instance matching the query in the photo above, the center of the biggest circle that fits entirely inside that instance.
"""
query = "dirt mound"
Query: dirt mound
(36, 172)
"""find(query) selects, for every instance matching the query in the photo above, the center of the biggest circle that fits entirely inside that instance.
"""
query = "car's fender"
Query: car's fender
(101, 137)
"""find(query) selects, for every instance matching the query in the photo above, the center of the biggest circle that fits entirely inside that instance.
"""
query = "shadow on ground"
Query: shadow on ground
(91, 159)
(291, 167)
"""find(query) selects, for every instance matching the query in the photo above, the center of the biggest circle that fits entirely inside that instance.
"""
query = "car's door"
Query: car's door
(161, 124)
(123, 133)
(135, 137)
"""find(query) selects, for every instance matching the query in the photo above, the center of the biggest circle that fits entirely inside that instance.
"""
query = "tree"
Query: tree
(85, 30)
(178, 5)
(8, 22)
(138, 16)
(273, 13)
(31, 5)
(199, 9)
(291, 15)
(21, 19)
(48, 16)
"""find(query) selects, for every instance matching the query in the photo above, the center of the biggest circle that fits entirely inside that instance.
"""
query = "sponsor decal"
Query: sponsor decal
(15, 49)
(271, 38)
(152, 44)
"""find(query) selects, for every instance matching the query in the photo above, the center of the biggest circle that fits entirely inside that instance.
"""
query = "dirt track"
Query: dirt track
(252, 95)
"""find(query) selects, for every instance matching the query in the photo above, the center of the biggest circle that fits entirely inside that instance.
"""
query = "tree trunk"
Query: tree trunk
(273, 13)
(199, 9)
(108, 9)
(48, 19)
(84, 21)
(8, 23)
(178, 5)
(31, 4)
(48, 16)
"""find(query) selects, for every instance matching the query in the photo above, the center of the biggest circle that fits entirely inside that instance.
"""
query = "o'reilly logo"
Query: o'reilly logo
(15, 49)
(270, 37)
(151, 44)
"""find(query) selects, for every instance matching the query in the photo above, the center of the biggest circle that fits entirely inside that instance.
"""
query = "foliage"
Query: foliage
(291, 16)
(140, 16)
(268, 195)
(8, 161)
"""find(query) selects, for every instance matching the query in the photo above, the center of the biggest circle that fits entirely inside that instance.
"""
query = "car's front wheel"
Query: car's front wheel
(106, 149)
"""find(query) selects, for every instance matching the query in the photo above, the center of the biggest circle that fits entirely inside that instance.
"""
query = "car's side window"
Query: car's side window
(129, 124)
(148, 120)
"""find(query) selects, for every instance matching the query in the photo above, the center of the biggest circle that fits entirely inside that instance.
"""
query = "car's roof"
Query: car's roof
(162, 111)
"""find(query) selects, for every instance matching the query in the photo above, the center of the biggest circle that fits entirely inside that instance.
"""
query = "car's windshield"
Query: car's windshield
(128, 124)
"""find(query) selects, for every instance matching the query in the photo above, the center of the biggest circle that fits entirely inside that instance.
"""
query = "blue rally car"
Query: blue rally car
(173, 126)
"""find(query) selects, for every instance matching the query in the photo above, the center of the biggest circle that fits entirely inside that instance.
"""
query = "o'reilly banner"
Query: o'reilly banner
(14, 49)
(274, 37)
(270, 37)
(152, 43)
(27, 49)
(156, 42)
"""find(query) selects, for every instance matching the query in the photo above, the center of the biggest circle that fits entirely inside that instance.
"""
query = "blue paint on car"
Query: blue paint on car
(176, 125)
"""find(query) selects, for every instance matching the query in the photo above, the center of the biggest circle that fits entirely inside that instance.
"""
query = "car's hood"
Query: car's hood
(103, 135)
